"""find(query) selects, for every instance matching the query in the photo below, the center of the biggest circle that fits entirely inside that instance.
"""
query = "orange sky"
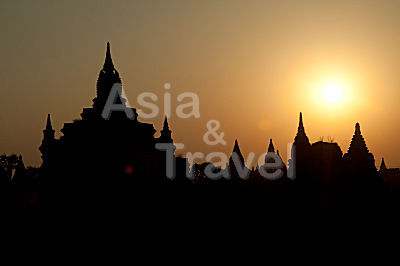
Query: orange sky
(254, 64)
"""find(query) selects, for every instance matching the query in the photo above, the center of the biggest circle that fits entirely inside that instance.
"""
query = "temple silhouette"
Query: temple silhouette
(93, 145)
(112, 165)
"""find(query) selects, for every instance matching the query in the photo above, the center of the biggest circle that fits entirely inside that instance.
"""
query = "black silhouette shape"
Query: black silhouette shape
(112, 166)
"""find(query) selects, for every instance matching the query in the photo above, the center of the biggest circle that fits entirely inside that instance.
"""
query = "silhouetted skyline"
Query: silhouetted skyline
(255, 66)
(108, 161)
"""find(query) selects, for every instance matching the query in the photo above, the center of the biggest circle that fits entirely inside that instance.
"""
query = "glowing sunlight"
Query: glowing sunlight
(332, 93)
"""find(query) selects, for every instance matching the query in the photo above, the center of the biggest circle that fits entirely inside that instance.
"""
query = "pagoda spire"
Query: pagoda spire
(48, 123)
(236, 150)
(358, 144)
(358, 129)
(48, 132)
(271, 146)
(166, 133)
(233, 164)
(48, 139)
(165, 126)
(271, 149)
(301, 137)
(236, 147)
(358, 155)
(108, 63)
(108, 76)
(383, 165)
(301, 126)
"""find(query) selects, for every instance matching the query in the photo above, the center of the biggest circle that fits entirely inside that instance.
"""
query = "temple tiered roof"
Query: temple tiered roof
(358, 145)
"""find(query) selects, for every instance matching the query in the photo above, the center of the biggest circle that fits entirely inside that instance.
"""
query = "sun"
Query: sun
(332, 93)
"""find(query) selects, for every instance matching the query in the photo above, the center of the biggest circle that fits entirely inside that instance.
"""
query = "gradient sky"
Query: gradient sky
(254, 64)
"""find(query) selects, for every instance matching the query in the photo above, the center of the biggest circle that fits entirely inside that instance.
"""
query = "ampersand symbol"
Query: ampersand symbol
(213, 126)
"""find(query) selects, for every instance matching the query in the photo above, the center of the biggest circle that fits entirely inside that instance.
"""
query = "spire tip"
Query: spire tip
(48, 123)
(108, 62)
(271, 147)
(358, 129)
(301, 126)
